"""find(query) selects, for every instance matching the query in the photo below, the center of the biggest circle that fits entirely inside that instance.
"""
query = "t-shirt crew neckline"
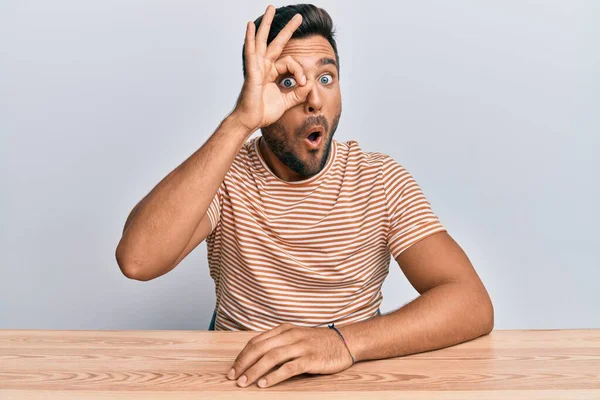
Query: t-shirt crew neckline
(271, 174)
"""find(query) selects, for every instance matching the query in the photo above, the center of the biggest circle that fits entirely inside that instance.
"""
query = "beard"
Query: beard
(287, 147)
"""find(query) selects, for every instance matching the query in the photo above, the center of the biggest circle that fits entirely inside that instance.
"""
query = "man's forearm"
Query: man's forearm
(160, 226)
(446, 315)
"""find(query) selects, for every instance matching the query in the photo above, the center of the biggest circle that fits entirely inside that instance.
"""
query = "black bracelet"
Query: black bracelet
(332, 326)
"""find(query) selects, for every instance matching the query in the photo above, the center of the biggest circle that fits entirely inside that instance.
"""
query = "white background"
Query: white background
(492, 106)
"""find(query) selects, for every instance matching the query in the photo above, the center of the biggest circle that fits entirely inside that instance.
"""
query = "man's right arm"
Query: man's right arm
(171, 220)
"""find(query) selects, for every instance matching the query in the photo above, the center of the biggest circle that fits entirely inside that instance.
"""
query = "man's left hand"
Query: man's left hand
(297, 349)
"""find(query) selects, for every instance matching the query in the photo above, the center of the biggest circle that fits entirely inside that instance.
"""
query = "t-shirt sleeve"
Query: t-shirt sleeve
(214, 208)
(410, 213)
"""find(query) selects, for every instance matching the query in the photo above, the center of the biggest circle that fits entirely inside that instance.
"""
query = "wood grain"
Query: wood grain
(536, 364)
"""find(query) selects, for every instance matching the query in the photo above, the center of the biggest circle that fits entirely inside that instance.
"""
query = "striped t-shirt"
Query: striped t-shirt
(315, 251)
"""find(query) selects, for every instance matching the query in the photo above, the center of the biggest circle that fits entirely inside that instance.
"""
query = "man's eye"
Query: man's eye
(326, 79)
(288, 82)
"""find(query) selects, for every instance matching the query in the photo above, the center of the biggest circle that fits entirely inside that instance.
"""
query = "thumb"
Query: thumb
(298, 95)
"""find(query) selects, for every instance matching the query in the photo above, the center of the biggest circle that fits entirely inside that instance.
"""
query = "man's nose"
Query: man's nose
(314, 100)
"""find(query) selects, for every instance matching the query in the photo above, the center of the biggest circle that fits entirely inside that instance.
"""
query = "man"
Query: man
(300, 227)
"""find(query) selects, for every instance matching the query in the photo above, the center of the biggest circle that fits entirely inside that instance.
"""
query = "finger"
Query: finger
(252, 342)
(272, 332)
(249, 49)
(254, 351)
(270, 360)
(276, 46)
(298, 95)
(286, 371)
(285, 65)
(263, 30)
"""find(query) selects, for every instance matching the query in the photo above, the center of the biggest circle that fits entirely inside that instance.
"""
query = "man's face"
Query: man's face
(295, 158)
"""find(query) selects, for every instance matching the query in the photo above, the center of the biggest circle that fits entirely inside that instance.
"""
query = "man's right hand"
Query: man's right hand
(262, 101)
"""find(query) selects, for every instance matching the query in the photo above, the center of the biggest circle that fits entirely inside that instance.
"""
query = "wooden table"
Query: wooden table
(535, 364)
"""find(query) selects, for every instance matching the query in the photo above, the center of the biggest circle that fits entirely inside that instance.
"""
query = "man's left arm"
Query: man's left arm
(453, 306)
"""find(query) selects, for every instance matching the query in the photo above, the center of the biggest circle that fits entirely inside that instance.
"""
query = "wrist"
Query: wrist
(351, 341)
(341, 336)
(237, 121)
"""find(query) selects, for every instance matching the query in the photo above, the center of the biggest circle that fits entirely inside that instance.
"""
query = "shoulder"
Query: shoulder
(384, 165)
(244, 162)
(352, 151)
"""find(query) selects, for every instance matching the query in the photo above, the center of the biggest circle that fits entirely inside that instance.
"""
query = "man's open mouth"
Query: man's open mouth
(313, 133)
(314, 136)
(314, 140)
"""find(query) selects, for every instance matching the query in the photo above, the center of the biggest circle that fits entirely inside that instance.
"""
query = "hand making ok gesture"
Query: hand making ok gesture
(261, 101)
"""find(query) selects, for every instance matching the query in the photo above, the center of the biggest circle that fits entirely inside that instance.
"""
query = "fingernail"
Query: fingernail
(262, 382)
(242, 380)
(231, 373)
(303, 79)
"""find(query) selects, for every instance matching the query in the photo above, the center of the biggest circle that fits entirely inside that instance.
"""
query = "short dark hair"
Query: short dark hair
(315, 21)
